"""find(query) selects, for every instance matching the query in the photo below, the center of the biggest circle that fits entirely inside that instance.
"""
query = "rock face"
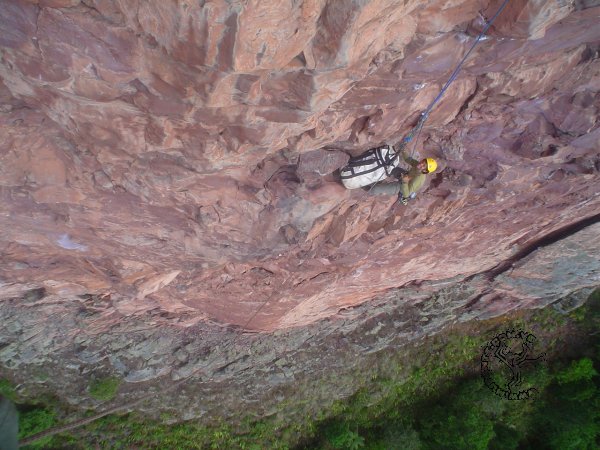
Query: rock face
(167, 166)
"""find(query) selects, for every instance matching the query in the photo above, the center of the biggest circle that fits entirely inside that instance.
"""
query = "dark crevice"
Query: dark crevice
(580, 5)
(223, 368)
(33, 295)
(544, 241)
(591, 52)
(301, 57)
(475, 299)
(468, 100)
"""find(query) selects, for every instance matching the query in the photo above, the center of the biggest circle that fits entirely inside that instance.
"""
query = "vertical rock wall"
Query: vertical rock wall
(166, 178)
(174, 159)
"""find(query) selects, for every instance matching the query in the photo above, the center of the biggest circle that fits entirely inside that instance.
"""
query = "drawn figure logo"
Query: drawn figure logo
(504, 360)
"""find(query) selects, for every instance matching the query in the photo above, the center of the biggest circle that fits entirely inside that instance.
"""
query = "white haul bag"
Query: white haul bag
(370, 167)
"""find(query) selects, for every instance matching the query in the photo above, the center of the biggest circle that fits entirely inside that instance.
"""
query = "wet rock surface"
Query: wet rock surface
(166, 180)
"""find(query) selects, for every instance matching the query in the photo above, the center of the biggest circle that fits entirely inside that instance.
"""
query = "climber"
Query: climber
(410, 181)
(367, 170)
(379, 163)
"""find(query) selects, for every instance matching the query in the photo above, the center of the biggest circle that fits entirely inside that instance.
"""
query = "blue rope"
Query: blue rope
(459, 66)
(425, 114)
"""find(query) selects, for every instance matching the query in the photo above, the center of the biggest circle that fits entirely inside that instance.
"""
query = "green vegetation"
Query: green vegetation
(133, 431)
(7, 390)
(470, 416)
(432, 399)
(33, 420)
(105, 388)
(444, 404)
(568, 417)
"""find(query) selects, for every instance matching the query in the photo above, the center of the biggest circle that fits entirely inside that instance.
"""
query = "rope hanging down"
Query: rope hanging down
(425, 114)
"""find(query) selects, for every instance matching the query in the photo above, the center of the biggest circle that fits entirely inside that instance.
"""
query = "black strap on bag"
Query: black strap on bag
(373, 156)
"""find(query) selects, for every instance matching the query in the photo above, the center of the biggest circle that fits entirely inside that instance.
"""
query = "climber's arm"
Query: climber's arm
(413, 162)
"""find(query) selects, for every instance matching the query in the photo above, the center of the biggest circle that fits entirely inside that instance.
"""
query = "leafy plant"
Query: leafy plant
(579, 370)
(105, 388)
(7, 389)
(340, 436)
(36, 420)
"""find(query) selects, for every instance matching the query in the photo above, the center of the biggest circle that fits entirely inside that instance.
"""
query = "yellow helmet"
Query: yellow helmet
(431, 164)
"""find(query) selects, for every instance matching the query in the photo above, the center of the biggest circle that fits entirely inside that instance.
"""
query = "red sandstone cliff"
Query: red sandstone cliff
(169, 163)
